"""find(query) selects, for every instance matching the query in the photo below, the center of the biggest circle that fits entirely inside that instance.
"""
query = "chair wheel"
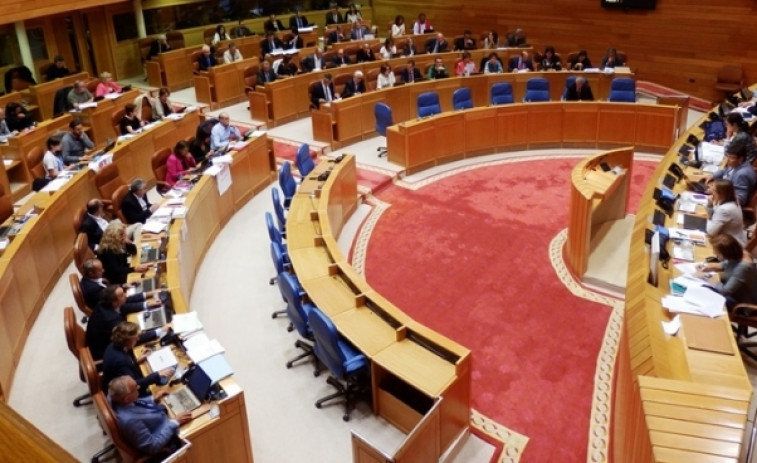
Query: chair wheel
(318, 405)
(316, 373)
(273, 315)
(346, 418)
(289, 364)
(290, 328)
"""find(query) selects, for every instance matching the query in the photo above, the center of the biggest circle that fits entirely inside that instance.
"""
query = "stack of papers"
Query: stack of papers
(154, 226)
(711, 153)
(199, 347)
(692, 235)
(186, 322)
(112, 96)
(216, 367)
(169, 212)
(56, 184)
(162, 359)
(175, 116)
(697, 300)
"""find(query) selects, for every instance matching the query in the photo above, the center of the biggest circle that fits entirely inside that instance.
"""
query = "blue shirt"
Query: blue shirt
(743, 179)
(220, 135)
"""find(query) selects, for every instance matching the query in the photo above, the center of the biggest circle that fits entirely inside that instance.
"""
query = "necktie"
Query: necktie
(436, 47)
(327, 92)
(520, 64)
(299, 23)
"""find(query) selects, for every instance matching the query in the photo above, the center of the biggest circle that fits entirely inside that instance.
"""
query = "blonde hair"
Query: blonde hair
(123, 332)
(111, 240)
(105, 75)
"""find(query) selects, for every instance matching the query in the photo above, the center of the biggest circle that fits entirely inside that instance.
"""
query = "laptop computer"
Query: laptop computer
(694, 222)
(190, 397)
(153, 318)
(658, 218)
(669, 181)
(149, 255)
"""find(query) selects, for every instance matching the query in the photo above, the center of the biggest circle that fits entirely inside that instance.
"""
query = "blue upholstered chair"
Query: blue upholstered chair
(569, 82)
(462, 99)
(383, 114)
(273, 233)
(537, 89)
(346, 364)
(428, 104)
(298, 312)
(278, 208)
(501, 93)
(287, 183)
(623, 90)
(281, 264)
(304, 162)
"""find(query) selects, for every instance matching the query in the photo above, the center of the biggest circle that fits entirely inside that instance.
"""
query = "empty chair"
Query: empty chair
(298, 312)
(273, 232)
(461, 99)
(82, 251)
(107, 181)
(569, 82)
(116, 200)
(428, 104)
(287, 183)
(281, 264)
(73, 280)
(537, 89)
(278, 208)
(75, 340)
(501, 93)
(623, 89)
(304, 162)
(159, 162)
(383, 114)
(730, 79)
(6, 204)
(346, 364)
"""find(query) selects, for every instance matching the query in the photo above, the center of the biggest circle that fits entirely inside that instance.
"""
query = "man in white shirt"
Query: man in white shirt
(232, 54)
(223, 132)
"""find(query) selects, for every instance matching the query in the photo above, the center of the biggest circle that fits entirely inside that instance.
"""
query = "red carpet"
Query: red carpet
(475, 267)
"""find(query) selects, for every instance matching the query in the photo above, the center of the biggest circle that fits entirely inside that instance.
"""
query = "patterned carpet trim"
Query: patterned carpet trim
(514, 443)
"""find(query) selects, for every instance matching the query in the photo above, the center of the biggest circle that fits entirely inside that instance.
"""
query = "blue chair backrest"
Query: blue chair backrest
(279, 257)
(278, 208)
(304, 162)
(383, 114)
(273, 233)
(537, 89)
(286, 182)
(292, 294)
(623, 89)
(428, 104)
(502, 93)
(569, 82)
(461, 99)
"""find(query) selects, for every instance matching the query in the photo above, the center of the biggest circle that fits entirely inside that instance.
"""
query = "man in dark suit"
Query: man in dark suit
(158, 46)
(143, 423)
(411, 73)
(437, 44)
(135, 206)
(298, 21)
(334, 17)
(93, 223)
(354, 86)
(336, 36)
(240, 30)
(517, 39)
(207, 59)
(266, 74)
(313, 62)
(106, 315)
(323, 92)
(466, 42)
(409, 49)
(365, 54)
(341, 59)
(92, 285)
(271, 43)
(118, 359)
(58, 69)
(273, 24)
(358, 31)
(520, 62)
(295, 43)
(579, 91)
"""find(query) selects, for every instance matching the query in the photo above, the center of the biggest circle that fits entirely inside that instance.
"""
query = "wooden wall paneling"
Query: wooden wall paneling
(545, 124)
(481, 135)
(617, 126)
(19, 10)
(103, 40)
(512, 127)
(579, 124)
(12, 316)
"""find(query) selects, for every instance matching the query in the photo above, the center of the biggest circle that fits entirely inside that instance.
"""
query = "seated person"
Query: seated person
(105, 316)
(240, 30)
(738, 171)
(206, 60)
(723, 213)
(465, 66)
(298, 21)
(287, 68)
(52, 160)
(411, 73)
(163, 106)
(75, 143)
(57, 70)
(354, 86)
(550, 61)
(365, 54)
(517, 39)
(266, 74)
(135, 206)
(272, 25)
(438, 70)
(580, 62)
(422, 25)
(115, 251)
(119, 360)
(359, 30)
(294, 43)
(4, 130)
(334, 17)
(579, 91)
(323, 93)
(130, 123)
(199, 147)
(341, 58)
(314, 62)
(179, 163)
(92, 285)
(521, 62)
(738, 131)
(106, 85)
(491, 41)
(611, 59)
(232, 54)
(158, 46)
(353, 14)
(271, 43)
(738, 277)
(17, 117)
(223, 132)
(78, 95)
(388, 50)
(466, 42)
(409, 49)
(398, 26)
(385, 79)
(144, 424)
(220, 35)
(492, 65)
(436, 44)
(336, 36)
(94, 223)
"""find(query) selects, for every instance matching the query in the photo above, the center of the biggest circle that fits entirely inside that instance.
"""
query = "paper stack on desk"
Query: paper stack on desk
(162, 359)
(200, 347)
(153, 226)
(186, 322)
(697, 300)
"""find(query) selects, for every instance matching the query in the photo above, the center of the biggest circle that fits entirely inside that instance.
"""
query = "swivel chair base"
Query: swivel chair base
(350, 392)
(97, 458)
(382, 151)
(307, 352)
(84, 399)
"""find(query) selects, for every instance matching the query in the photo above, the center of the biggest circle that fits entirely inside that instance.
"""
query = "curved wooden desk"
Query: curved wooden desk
(450, 136)
(420, 379)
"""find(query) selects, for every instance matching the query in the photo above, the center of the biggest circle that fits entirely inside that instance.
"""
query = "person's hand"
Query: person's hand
(87, 157)
(184, 417)
(154, 303)
(166, 373)
(145, 353)
(159, 395)
(141, 268)
(154, 207)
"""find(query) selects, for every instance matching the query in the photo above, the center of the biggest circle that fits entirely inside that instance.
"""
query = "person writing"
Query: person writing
(738, 274)
(323, 93)
(106, 85)
(178, 163)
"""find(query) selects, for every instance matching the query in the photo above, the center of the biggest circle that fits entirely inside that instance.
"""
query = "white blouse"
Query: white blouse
(385, 81)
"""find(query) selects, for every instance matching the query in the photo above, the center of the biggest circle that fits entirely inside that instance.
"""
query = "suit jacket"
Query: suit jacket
(585, 94)
(91, 290)
(405, 74)
(335, 37)
(117, 266)
(293, 22)
(363, 56)
(157, 48)
(93, 231)
(145, 428)
(273, 26)
(461, 45)
(330, 18)
(206, 62)
(262, 76)
(133, 211)
(337, 61)
(117, 362)
(431, 45)
(350, 88)
(513, 64)
(100, 326)
(308, 64)
(266, 44)
(296, 42)
(318, 94)
(410, 48)
(358, 33)
(515, 41)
